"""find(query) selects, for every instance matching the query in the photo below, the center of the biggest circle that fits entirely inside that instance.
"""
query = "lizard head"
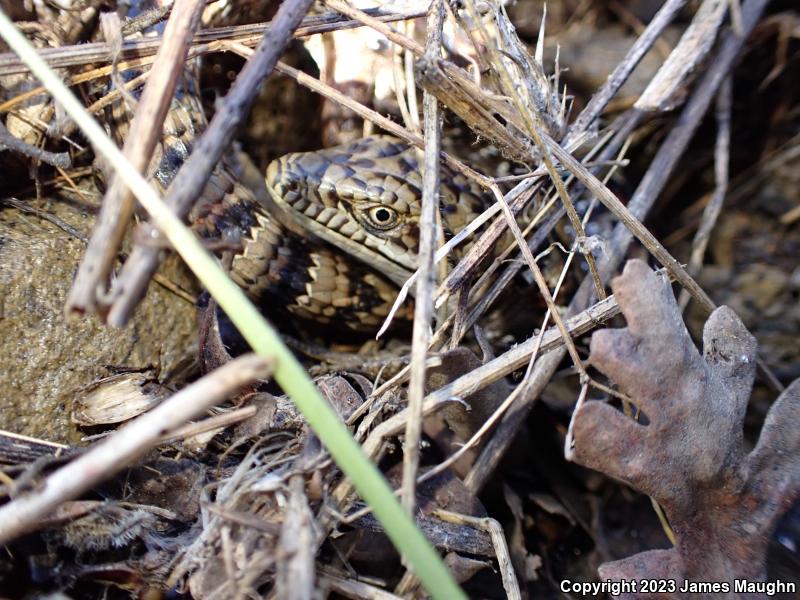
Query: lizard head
(364, 198)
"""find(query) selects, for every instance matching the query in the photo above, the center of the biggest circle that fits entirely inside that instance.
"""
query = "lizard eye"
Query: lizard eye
(382, 217)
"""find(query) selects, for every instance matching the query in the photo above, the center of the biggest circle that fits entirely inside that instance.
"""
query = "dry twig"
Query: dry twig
(193, 175)
(11, 142)
(646, 193)
(423, 308)
(714, 207)
(145, 132)
(129, 443)
(495, 530)
(206, 40)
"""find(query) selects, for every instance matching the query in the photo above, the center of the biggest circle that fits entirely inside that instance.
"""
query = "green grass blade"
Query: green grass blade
(290, 375)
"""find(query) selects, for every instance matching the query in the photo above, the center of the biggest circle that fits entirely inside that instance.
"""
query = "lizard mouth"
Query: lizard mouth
(379, 254)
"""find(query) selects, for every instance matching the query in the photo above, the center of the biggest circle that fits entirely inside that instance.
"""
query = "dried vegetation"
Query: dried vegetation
(608, 130)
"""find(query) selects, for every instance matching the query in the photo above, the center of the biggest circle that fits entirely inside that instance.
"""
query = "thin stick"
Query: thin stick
(486, 299)
(16, 449)
(644, 197)
(411, 85)
(498, 368)
(486, 374)
(533, 123)
(352, 588)
(23, 514)
(423, 309)
(721, 173)
(332, 93)
(195, 172)
(98, 52)
(295, 576)
(210, 424)
(289, 373)
(75, 80)
(622, 71)
(399, 86)
(495, 531)
(10, 142)
(694, 45)
(377, 25)
(541, 284)
(577, 131)
(516, 198)
(629, 220)
(413, 139)
(548, 144)
(521, 389)
(145, 132)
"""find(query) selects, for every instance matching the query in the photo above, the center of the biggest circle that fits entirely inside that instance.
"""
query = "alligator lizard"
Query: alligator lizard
(343, 232)
(356, 207)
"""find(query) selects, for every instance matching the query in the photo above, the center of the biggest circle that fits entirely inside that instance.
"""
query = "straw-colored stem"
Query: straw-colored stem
(289, 374)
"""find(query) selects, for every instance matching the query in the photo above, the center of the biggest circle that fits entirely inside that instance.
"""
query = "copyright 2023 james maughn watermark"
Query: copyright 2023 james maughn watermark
(668, 586)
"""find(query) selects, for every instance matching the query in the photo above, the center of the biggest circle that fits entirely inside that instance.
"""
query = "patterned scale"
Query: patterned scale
(363, 200)
(352, 214)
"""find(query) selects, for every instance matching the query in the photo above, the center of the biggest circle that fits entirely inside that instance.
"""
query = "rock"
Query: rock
(46, 359)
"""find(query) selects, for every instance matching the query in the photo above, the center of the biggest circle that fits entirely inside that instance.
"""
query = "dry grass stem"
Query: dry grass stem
(16, 448)
(622, 71)
(534, 121)
(376, 24)
(205, 40)
(664, 90)
(576, 133)
(352, 588)
(495, 530)
(494, 370)
(423, 307)
(194, 173)
(127, 444)
(217, 422)
(145, 132)
(644, 197)
(487, 297)
(295, 579)
(721, 173)
(333, 94)
(13, 143)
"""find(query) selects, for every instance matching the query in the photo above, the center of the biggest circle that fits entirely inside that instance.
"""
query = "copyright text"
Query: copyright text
(668, 586)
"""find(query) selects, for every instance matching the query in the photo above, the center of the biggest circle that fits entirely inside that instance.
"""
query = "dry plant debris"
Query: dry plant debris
(722, 502)
(260, 508)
